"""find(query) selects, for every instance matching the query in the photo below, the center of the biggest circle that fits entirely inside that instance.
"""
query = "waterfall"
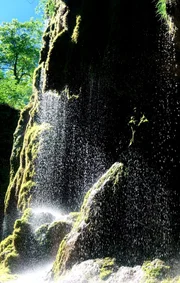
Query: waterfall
(128, 216)
(68, 161)
(52, 110)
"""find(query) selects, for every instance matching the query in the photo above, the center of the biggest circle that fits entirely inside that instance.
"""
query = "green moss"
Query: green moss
(59, 259)
(5, 274)
(155, 270)
(107, 267)
(8, 255)
(113, 175)
(23, 183)
(75, 34)
(18, 141)
(74, 215)
(15, 250)
(70, 96)
(161, 7)
(6, 243)
(37, 76)
(12, 261)
(50, 236)
(6, 247)
(134, 124)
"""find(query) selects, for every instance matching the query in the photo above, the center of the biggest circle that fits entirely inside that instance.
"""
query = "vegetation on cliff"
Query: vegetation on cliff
(19, 54)
(161, 9)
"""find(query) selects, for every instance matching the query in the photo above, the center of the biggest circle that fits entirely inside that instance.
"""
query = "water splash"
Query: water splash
(46, 215)
(36, 275)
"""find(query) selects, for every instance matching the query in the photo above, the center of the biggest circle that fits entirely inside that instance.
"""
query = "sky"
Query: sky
(22, 10)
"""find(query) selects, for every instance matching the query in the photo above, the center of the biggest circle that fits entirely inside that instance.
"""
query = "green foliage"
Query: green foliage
(19, 54)
(59, 259)
(46, 8)
(161, 9)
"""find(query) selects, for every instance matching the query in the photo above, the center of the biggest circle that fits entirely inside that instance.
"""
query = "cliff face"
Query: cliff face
(105, 90)
(105, 61)
(8, 121)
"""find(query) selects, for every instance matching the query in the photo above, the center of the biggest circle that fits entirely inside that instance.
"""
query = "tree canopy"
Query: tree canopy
(19, 54)
(46, 8)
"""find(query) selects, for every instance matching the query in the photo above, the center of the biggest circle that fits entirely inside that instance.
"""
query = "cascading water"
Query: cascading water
(68, 157)
(52, 147)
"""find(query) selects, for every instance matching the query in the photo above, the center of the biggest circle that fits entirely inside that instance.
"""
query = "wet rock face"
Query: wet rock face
(85, 42)
(120, 217)
(8, 122)
(89, 237)
(108, 68)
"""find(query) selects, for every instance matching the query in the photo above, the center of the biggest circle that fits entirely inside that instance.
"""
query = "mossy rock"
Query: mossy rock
(5, 274)
(155, 271)
(95, 230)
(24, 154)
(18, 250)
(107, 267)
(50, 236)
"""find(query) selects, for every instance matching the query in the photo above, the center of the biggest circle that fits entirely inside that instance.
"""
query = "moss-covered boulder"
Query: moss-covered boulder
(95, 231)
(19, 250)
(50, 236)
